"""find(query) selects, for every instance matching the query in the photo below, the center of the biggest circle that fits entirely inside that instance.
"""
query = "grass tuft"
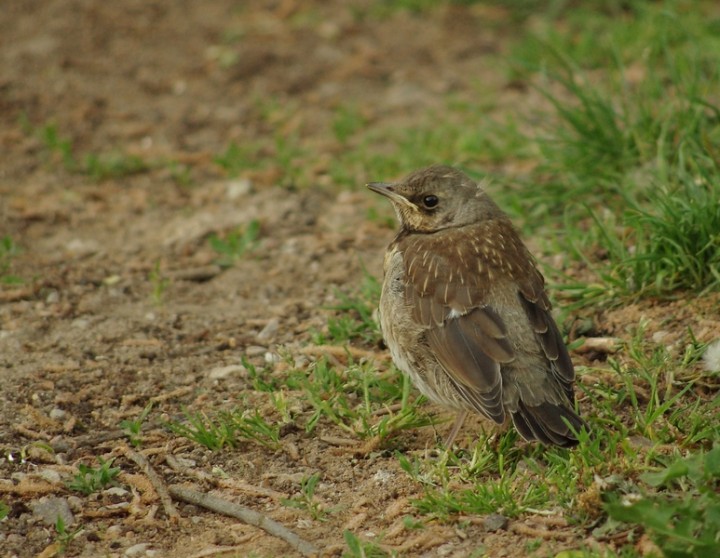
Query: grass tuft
(235, 244)
(684, 523)
(8, 251)
(228, 429)
(94, 479)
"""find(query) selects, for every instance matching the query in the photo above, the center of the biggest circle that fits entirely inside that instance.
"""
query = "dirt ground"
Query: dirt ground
(92, 335)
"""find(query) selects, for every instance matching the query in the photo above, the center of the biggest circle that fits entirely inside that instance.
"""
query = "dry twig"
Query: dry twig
(246, 515)
(232, 484)
(600, 345)
(338, 441)
(179, 392)
(27, 487)
(523, 529)
(155, 479)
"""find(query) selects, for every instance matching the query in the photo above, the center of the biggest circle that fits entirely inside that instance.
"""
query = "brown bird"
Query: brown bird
(464, 310)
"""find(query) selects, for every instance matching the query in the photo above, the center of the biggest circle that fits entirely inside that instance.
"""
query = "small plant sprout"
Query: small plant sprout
(235, 244)
(159, 283)
(306, 500)
(93, 479)
(8, 251)
(133, 428)
(63, 536)
(228, 429)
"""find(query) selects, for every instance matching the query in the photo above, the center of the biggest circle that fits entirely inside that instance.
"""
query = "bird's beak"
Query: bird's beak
(388, 190)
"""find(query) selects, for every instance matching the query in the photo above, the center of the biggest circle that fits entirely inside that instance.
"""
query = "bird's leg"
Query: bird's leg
(459, 420)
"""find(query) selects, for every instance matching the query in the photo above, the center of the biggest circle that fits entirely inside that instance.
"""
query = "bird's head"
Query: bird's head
(437, 197)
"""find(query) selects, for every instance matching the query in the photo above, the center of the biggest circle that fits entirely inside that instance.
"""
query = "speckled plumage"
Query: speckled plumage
(464, 309)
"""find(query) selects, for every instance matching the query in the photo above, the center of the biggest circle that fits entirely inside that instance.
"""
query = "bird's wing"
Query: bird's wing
(471, 348)
(537, 308)
(446, 285)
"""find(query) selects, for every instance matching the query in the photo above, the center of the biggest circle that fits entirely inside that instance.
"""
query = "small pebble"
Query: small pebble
(382, 476)
(269, 332)
(61, 458)
(49, 508)
(139, 549)
(57, 413)
(238, 188)
(658, 336)
(186, 461)
(272, 358)
(116, 491)
(495, 522)
(80, 323)
(224, 371)
(50, 475)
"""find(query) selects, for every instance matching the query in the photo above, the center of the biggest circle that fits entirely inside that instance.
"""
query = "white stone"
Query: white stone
(224, 371)
(139, 549)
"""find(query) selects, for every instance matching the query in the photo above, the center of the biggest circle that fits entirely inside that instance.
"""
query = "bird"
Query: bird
(464, 310)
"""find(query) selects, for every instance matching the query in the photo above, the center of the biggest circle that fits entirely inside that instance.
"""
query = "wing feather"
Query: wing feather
(471, 349)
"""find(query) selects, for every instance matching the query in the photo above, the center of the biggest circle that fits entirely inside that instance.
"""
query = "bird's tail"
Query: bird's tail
(545, 423)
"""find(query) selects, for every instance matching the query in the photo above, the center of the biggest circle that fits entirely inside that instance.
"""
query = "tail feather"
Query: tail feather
(545, 423)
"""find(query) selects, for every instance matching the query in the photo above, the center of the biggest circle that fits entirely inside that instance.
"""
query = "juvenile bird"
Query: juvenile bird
(464, 311)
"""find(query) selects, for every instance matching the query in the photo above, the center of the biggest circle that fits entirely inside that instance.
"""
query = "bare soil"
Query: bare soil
(90, 338)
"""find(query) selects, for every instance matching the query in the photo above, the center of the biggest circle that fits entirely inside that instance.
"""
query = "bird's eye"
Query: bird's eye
(430, 201)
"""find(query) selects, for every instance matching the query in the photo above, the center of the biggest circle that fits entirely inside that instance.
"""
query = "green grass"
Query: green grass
(685, 522)
(355, 400)
(306, 500)
(93, 479)
(235, 244)
(63, 537)
(357, 548)
(459, 133)
(8, 251)
(228, 429)
(650, 395)
(59, 150)
(358, 399)
(670, 243)
(105, 166)
(366, 151)
(159, 284)
(347, 122)
(478, 482)
(631, 170)
(352, 318)
(181, 174)
(57, 146)
(236, 158)
(133, 428)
